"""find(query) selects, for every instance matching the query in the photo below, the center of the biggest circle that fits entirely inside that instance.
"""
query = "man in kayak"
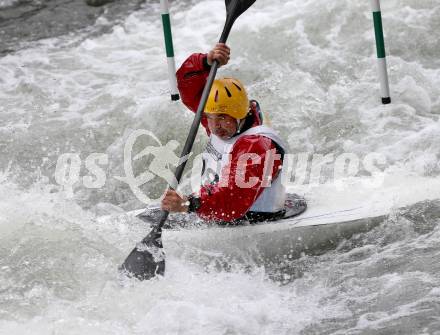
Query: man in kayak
(242, 162)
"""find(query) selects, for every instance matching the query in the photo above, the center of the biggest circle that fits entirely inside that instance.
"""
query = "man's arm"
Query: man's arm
(191, 79)
(192, 75)
(227, 200)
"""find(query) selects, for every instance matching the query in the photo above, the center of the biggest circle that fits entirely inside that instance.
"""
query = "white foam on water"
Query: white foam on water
(59, 274)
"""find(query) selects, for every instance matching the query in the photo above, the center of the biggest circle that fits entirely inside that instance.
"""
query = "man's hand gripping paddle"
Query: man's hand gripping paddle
(147, 259)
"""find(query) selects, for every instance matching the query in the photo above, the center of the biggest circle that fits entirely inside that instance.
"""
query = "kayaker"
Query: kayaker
(243, 159)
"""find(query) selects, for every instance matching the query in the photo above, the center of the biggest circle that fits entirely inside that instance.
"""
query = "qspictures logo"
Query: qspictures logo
(164, 161)
(305, 169)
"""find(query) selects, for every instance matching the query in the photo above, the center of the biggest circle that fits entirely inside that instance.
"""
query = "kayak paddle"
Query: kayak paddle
(147, 259)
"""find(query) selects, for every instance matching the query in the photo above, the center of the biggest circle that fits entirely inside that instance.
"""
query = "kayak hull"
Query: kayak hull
(334, 213)
(264, 244)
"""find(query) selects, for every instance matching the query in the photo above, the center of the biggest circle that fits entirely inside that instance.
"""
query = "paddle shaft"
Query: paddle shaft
(198, 117)
(147, 260)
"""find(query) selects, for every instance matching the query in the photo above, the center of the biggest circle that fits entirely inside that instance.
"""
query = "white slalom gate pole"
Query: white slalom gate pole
(166, 24)
(380, 48)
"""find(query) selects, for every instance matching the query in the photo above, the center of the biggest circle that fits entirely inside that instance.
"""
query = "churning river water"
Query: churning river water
(312, 66)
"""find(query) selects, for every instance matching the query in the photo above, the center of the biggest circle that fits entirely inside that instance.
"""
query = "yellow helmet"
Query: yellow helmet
(228, 96)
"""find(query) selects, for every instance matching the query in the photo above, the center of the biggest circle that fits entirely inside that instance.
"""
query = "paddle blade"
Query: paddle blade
(147, 259)
(235, 8)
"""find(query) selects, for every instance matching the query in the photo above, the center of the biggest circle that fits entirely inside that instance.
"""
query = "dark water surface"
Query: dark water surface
(32, 20)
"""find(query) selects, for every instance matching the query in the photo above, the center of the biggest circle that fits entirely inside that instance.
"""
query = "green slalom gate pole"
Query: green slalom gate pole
(380, 48)
(166, 24)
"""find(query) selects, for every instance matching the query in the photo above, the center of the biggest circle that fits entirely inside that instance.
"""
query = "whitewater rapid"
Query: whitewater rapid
(312, 67)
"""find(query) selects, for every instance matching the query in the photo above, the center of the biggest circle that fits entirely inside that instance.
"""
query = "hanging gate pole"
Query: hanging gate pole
(380, 48)
(166, 24)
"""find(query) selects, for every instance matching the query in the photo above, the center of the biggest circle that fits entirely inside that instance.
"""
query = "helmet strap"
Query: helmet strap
(240, 123)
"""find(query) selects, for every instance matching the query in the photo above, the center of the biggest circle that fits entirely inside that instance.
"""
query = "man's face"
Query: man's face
(222, 125)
